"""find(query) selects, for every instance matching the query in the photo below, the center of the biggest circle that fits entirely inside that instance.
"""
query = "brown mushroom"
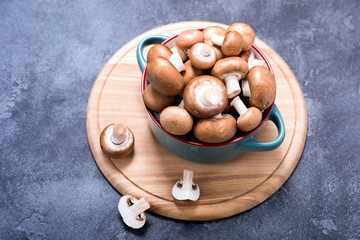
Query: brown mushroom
(208, 32)
(245, 55)
(231, 70)
(231, 44)
(158, 50)
(117, 140)
(202, 56)
(164, 77)
(176, 120)
(217, 129)
(249, 118)
(205, 96)
(191, 72)
(247, 34)
(188, 38)
(262, 87)
(156, 101)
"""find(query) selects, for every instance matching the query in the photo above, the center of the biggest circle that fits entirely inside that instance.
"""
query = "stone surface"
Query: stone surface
(51, 53)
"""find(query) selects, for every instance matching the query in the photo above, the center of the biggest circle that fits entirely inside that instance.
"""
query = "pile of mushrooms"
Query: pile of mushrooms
(210, 84)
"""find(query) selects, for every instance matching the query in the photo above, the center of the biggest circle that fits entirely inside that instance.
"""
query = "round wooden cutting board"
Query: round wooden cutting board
(151, 171)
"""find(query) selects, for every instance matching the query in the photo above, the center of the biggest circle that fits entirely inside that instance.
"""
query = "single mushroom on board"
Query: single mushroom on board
(260, 86)
(132, 211)
(202, 56)
(247, 34)
(186, 189)
(176, 120)
(231, 44)
(249, 118)
(217, 129)
(117, 140)
(156, 101)
(186, 39)
(164, 77)
(205, 96)
(231, 70)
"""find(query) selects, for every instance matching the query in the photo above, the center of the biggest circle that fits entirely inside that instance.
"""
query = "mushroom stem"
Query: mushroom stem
(238, 105)
(187, 179)
(217, 39)
(205, 50)
(232, 85)
(218, 116)
(181, 104)
(177, 62)
(209, 97)
(139, 206)
(176, 50)
(118, 135)
(253, 61)
(246, 88)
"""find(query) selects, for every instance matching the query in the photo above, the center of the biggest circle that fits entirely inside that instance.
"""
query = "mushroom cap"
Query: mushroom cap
(116, 150)
(209, 31)
(233, 43)
(262, 87)
(247, 34)
(230, 66)
(205, 96)
(159, 50)
(164, 77)
(249, 120)
(156, 101)
(188, 38)
(191, 72)
(245, 54)
(202, 56)
(176, 120)
(215, 130)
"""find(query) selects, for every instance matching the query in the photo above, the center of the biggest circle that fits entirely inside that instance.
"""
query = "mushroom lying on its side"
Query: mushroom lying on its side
(132, 211)
(188, 38)
(231, 70)
(231, 44)
(260, 87)
(249, 118)
(246, 32)
(186, 189)
(117, 140)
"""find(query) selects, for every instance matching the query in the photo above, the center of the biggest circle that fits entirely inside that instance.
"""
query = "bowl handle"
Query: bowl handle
(146, 41)
(250, 144)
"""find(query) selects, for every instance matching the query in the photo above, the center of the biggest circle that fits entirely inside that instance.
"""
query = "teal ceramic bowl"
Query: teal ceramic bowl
(188, 147)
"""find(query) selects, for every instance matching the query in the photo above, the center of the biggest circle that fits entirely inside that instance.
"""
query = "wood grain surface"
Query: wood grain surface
(151, 171)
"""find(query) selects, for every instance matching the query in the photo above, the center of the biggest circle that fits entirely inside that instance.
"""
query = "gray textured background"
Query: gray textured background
(50, 55)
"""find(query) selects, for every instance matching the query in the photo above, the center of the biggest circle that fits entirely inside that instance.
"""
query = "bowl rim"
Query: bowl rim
(266, 112)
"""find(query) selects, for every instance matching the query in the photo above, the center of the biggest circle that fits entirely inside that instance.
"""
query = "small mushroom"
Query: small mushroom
(186, 189)
(188, 38)
(247, 34)
(158, 50)
(202, 56)
(132, 211)
(231, 44)
(191, 72)
(156, 101)
(217, 129)
(117, 140)
(231, 70)
(249, 118)
(205, 96)
(260, 87)
(208, 32)
(176, 120)
(164, 77)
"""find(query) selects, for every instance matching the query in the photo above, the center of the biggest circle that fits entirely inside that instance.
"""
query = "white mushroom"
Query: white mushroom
(186, 189)
(132, 211)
